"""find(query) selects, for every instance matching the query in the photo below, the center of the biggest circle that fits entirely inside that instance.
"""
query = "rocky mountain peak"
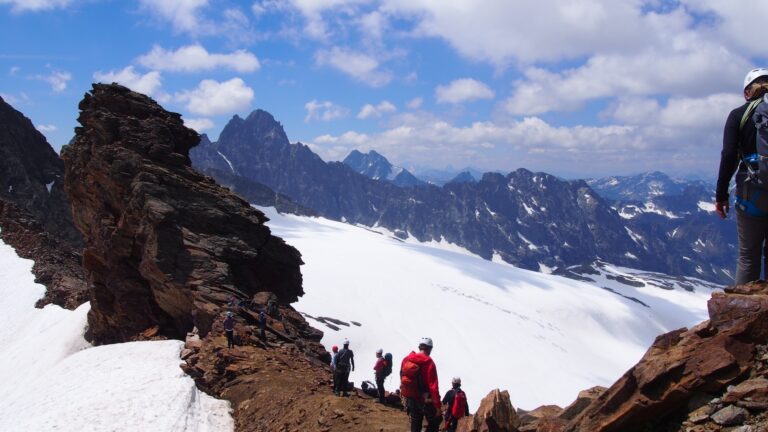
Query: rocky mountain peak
(166, 247)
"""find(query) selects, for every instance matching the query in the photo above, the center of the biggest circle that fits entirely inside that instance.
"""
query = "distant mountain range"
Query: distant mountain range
(532, 220)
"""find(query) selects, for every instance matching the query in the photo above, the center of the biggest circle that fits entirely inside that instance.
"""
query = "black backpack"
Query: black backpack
(387, 364)
(343, 358)
(753, 198)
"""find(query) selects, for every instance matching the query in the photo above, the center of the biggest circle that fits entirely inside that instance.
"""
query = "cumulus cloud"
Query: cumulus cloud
(57, 79)
(148, 83)
(369, 110)
(324, 111)
(360, 66)
(189, 16)
(463, 90)
(415, 103)
(46, 128)
(194, 58)
(36, 5)
(198, 124)
(692, 67)
(211, 98)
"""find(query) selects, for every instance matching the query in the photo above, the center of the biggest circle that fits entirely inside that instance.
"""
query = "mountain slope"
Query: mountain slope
(543, 337)
(377, 167)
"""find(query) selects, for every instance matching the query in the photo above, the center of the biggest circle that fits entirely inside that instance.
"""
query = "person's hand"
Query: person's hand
(721, 208)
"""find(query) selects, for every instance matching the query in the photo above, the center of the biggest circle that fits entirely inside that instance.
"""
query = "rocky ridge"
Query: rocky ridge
(168, 252)
(35, 217)
(166, 246)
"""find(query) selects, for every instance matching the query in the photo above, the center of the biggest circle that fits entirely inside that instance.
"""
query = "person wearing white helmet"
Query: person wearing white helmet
(456, 404)
(345, 362)
(229, 329)
(739, 151)
(378, 372)
(419, 386)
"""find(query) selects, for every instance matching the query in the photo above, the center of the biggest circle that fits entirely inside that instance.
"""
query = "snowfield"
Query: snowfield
(542, 337)
(54, 380)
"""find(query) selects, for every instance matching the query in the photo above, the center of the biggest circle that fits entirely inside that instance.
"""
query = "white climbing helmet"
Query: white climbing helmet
(379, 351)
(456, 380)
(346, 342)
(426, 342)
(753, 75)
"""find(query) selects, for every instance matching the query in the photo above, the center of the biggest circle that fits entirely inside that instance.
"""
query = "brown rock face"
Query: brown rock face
(495, 414)
(683, 365)
(165, 246)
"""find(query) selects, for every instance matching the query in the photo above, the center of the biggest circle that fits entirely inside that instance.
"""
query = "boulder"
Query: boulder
(165, 245)
(582, 401)
(685, 363)
(730, 416)
(495, 414)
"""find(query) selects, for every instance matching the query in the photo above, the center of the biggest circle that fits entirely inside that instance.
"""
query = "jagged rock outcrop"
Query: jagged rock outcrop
(684, 380)
(495, 414)
(32, 175)
(166, 246)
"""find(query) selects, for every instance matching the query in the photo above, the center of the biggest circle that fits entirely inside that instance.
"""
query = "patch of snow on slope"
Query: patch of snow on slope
(706, 206)
(232, 168)
(54, 380)
(542, 337)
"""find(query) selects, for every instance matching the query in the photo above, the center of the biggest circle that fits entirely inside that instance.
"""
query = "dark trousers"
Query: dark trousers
(341, 379)
(419, 411)
(263, 333)
(753, 248)
(230, 338)
(452, 425)
(380, 387)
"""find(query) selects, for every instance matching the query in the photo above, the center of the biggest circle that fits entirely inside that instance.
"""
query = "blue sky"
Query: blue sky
(577, 89)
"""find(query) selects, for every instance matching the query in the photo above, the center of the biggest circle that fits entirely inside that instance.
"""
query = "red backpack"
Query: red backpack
(410, 379)
(458, 409)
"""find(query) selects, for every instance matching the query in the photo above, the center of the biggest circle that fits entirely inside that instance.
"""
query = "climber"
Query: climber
(334, 352)
(419, 385)
(345, 362)
(456, 405)
(379, 373)
(229, 329)
(263, 325)
(743, 155)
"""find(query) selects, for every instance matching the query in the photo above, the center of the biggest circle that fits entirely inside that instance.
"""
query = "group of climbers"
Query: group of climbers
(419, 388)
(229, 322)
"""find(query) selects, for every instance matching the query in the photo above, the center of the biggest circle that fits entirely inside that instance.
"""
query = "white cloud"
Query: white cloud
(35, 5)
(57, 79)
(325, 111)
(369, 110)
(189, 16)
(46, 128)
(212, 98)
(198, 124)
(184, 15)
(194, 58)
(415, 103)
(691, 67)
(463, 90)
(705, 113)
(362, 67)
(14, 70)
(148, 83)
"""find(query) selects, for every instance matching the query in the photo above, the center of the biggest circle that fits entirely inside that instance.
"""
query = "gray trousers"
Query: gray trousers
(753, 247)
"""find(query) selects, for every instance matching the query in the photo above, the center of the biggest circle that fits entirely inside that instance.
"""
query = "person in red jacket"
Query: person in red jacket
(378, 371)
(419, 386)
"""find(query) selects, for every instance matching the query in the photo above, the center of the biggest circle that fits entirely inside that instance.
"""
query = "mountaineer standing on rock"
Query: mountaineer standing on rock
(263, 326)
(418, 384)
(345, 362)
(334, 351)
(456, 404)
(742, 151)
(382, 369)
(229, 329)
